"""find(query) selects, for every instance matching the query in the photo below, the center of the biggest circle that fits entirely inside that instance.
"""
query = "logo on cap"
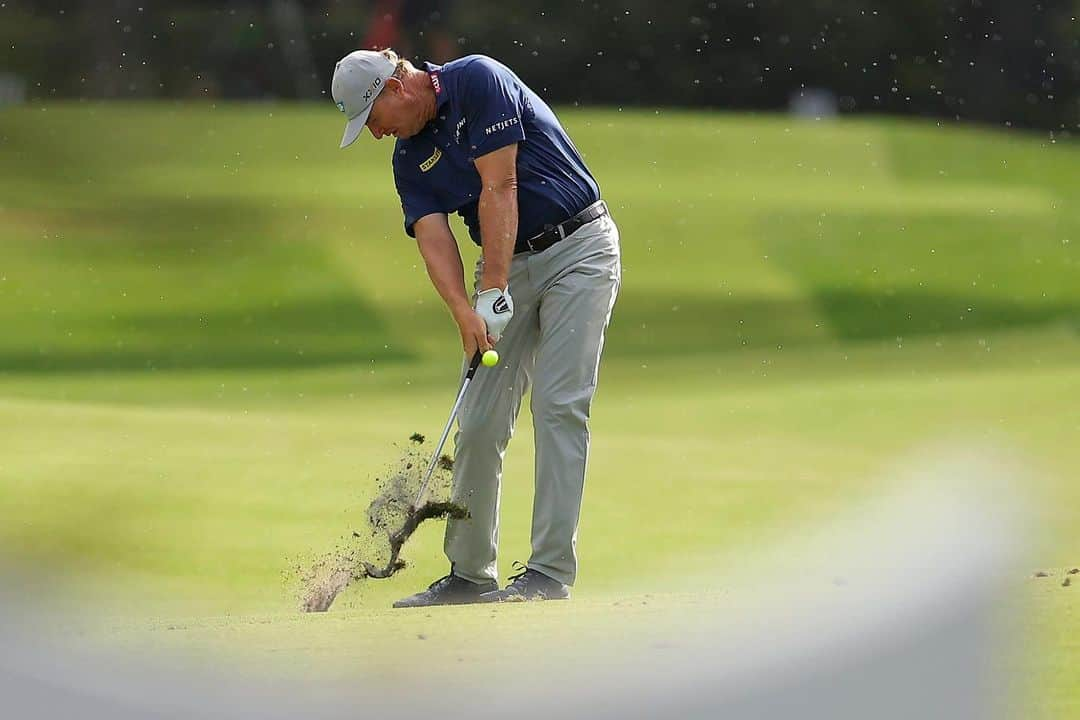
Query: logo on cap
(374, 86)
(341, 106)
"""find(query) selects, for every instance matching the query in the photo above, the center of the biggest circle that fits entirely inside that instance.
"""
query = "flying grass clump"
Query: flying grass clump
(392, 519)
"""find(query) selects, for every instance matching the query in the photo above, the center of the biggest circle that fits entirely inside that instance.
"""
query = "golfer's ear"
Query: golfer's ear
(395, 85)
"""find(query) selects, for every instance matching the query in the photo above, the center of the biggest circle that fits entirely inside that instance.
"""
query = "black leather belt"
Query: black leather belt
(554, 233)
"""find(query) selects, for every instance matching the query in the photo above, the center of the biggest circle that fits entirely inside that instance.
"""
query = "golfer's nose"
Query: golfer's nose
(376, 132)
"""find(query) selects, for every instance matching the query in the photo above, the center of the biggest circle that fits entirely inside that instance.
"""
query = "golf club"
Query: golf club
(473, 364)
(417, 513)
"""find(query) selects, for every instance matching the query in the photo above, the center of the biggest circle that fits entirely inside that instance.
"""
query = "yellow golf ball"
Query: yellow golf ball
(490, 358)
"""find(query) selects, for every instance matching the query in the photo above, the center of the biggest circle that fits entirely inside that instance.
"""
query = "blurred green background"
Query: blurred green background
(1000, 62)
(217, 336)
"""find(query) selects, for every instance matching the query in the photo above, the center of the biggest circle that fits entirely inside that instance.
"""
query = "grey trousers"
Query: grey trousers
(562, 304)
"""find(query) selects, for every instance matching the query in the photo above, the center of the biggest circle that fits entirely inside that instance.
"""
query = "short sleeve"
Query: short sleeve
(416, 201)
(492, 105)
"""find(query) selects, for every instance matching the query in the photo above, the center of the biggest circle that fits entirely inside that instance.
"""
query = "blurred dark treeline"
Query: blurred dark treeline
(1011, 62)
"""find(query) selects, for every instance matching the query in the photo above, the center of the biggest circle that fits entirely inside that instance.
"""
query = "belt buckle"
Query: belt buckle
(547, 229)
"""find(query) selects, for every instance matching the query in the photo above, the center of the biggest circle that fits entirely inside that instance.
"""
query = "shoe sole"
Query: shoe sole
(475, 601)
(521, 599)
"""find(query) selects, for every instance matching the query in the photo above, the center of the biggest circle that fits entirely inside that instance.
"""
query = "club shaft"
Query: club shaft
(446, 430)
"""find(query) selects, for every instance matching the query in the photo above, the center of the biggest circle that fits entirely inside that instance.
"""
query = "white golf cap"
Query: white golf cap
(358, 79)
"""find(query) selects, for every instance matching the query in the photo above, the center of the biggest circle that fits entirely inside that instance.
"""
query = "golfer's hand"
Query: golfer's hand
(474, 334)
(496, 307)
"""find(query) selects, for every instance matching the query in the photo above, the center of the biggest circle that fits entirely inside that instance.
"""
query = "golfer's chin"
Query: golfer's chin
(406, 133)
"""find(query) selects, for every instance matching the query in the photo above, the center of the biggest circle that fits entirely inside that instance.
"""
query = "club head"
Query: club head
(382, 573)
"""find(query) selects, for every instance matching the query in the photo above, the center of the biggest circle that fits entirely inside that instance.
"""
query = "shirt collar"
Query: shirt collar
(435, 73)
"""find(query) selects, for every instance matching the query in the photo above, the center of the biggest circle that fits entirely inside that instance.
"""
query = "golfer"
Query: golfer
(472, 138)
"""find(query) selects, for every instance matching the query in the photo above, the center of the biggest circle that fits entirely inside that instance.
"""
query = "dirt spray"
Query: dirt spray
(375, 552)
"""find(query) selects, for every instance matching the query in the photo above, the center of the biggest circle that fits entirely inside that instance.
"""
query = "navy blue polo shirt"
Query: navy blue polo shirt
(483, 106)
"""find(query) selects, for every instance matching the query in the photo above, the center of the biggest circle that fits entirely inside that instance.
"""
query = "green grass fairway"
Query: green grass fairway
(216, 331)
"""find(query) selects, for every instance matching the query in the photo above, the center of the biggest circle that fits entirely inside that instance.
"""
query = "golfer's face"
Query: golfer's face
(394, 113)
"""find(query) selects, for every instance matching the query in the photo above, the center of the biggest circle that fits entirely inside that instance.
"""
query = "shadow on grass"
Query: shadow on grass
(334, 330)
(343, 329)
(641, 326)
(866, 316)
(645, 325)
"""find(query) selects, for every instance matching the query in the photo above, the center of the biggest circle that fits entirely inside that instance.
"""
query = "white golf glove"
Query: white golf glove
(496, 307)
